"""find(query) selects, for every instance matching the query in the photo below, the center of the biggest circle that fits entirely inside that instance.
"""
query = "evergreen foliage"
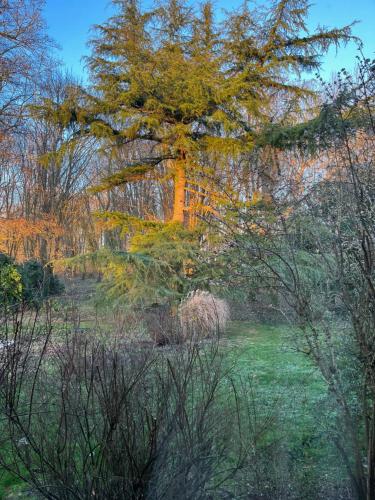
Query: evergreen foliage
(29, 283)
(346, 112)
(162, 265)
(186, 85)
(10, 282)
(39, 283)
(191, 85)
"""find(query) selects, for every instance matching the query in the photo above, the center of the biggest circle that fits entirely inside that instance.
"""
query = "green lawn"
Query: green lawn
(285, 384)
(10, 486)
(269, 354)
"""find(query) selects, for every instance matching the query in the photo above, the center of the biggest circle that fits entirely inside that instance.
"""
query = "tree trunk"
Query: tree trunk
(43, 251)
(179, 193)
(269, 172)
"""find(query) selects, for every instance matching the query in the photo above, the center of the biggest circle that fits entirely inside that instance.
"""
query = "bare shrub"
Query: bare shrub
(318, 253)
(81, 417)
(202, 315)
(162, 324)
(89, 420)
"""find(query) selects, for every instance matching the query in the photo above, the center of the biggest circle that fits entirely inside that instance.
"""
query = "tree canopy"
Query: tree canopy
(188, 84)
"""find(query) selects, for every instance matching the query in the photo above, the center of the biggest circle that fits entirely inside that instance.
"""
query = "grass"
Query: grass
(288, 385)
(10, 486)
(285, 383)
(268, 353)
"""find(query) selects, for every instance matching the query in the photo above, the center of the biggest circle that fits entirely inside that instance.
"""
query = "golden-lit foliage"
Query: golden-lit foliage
(17, 234)
(193, 91)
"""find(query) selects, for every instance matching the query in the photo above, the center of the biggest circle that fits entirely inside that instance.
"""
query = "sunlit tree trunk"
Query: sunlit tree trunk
(179, 193)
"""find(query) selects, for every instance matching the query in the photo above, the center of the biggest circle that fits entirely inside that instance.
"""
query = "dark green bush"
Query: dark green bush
(10, 282)
(39, 282)
(30, 282)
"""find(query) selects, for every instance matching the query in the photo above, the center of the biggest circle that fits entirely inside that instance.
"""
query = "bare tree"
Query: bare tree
(310, 253)
(23, 53)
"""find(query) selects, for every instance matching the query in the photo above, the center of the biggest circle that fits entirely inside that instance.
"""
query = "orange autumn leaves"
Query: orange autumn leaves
(19, 236)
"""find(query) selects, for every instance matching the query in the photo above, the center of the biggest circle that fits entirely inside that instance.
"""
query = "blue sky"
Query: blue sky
(70, 21)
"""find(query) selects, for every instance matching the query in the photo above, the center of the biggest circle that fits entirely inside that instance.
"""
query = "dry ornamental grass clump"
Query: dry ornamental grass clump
(202, 315)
